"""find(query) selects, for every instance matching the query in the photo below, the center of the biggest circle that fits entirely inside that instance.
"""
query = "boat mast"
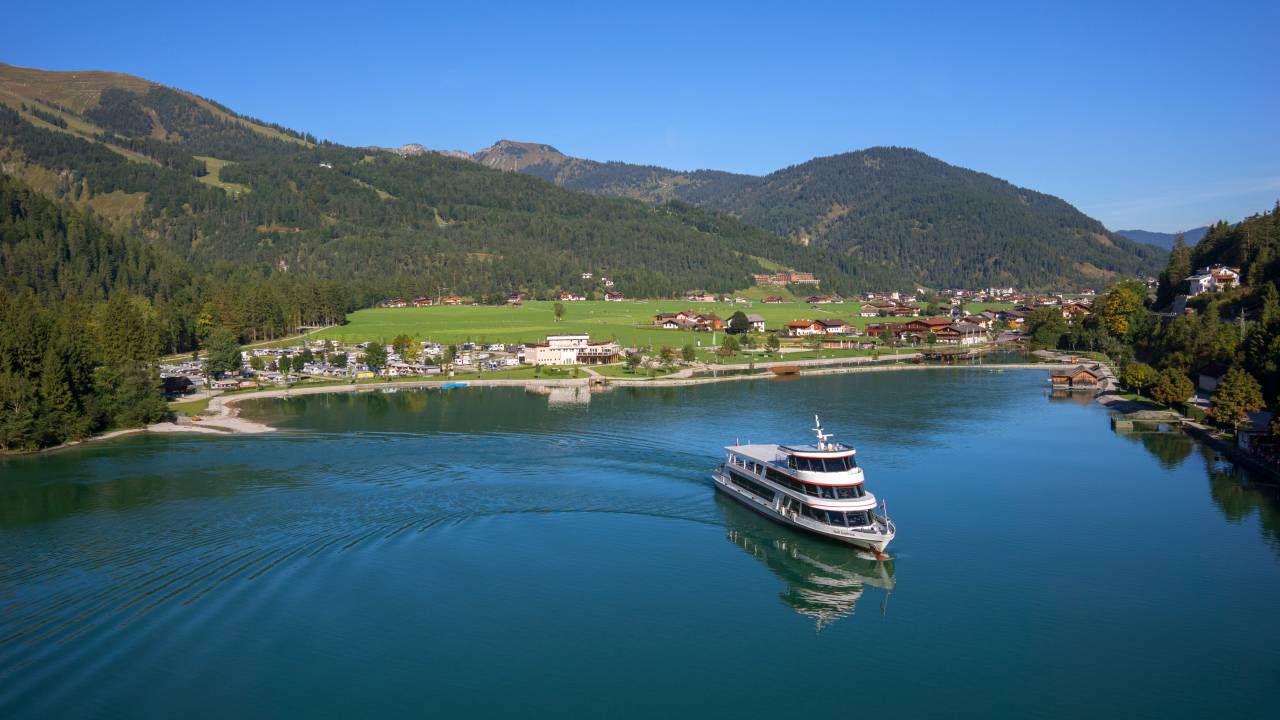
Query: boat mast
(822, 437)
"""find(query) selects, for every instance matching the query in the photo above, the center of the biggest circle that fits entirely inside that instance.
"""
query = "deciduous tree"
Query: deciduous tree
(1238, 394)
(1171, 387)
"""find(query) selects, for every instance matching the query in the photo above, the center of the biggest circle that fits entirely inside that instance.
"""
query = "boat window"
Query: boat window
(838, 464)
(857, 519)
(835, 518)
(751, 486)
(849, 492)
(828, 491)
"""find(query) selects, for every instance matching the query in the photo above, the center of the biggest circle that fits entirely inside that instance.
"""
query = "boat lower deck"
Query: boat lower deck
(875, 537)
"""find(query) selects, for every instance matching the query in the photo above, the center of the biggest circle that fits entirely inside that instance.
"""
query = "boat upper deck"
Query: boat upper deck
(826, 450)
(827, 468)
(777, 454)
(768, 454)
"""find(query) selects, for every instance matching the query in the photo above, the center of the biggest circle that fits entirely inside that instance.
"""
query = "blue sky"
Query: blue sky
(1162, 116)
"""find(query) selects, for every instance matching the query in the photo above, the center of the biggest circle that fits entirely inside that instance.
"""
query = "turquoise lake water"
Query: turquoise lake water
(496, 552)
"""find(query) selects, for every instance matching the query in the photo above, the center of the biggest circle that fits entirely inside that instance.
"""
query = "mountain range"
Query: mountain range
(1165, 240)
(236, 196)
(941, 224)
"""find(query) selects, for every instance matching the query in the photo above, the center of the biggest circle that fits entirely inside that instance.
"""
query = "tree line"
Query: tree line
(1161, 350)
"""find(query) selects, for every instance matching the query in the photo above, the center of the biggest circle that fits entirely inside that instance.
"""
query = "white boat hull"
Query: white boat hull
(874, 541)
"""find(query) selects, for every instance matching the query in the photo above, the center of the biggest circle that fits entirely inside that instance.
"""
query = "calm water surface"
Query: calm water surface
(490, 552)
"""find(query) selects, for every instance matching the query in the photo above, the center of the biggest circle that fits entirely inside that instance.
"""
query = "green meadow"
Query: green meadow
(630, 322)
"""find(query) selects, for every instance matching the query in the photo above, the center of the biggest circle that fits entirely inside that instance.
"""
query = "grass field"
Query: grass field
(641, 373)
(190, 407)
(630, 322)
(214, 178)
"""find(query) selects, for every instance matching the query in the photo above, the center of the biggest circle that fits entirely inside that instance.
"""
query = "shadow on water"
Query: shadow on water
(124, 476)
(1235, 492)
(1238, 495)
(1170, 449)
(824, 579)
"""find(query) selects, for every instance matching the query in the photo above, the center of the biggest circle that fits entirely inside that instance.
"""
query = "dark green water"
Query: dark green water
(496, 553)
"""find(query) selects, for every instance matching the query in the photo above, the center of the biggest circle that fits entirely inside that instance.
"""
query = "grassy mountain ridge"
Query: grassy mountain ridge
(232, 194)
(221, 190)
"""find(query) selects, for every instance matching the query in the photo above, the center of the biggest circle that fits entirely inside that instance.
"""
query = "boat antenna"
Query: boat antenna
(822, 437)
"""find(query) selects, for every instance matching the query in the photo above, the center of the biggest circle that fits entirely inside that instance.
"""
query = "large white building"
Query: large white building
(572, 350)
(1213, 279)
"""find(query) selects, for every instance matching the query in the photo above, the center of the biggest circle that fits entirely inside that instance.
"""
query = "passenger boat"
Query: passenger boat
(817, 487)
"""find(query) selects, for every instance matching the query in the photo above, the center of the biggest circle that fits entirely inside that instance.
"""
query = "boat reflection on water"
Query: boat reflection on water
(825, 579)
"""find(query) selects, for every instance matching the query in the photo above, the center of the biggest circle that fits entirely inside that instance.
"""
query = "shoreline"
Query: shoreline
(226, 415)
(223, 417)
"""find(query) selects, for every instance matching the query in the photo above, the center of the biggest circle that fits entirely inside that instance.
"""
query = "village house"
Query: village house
(606, 281)
(1073, 311)
(453, 300)
(961, 334)
(572, 350)
(803, 328)
(1013, 317)
(613, 296)
(786, 278)
(892, 329)
(1213, 279)
(924, 326)
(819, 299)
(667, 321)
(700, 297)
(834, 326)
(176, 385)
(396, 303)
(586, 276)
(423, 302)
(572, 297)
(1210, 375)
(772, 300)
(688, 320)
(868, 311)
(981, 321)
(756, 322)
(515, 298)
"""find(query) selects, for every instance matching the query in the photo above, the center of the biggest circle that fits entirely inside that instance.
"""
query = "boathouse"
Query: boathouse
(1077, 377)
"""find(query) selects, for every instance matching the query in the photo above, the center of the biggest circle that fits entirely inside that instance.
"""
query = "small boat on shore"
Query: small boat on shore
(817, 487)
(785, 369)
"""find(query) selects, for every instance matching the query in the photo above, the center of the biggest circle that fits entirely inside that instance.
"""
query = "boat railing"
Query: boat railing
(802, 519)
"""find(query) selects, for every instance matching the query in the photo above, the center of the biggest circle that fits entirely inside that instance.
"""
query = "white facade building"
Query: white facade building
(572, 350)
(1213, 279)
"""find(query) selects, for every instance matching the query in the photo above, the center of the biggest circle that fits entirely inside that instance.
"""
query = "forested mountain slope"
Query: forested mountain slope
(1165, 240)
(1253, 245)
(240, 197)
(937, 223)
